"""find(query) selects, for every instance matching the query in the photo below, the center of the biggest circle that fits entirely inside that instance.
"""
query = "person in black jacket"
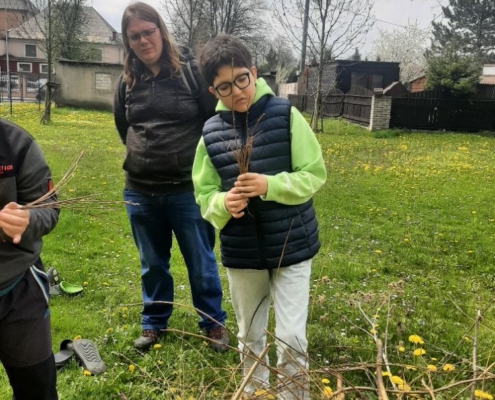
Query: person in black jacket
(160, 107)
(25, 339)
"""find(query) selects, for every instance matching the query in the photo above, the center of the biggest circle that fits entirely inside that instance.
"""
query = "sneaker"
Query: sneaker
(219, 338)
(148, 338)
(53, 276)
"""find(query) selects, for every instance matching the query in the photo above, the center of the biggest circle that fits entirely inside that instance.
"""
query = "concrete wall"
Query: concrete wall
(87, 85)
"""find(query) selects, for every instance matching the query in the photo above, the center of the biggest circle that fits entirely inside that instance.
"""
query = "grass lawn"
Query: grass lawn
(407, 230)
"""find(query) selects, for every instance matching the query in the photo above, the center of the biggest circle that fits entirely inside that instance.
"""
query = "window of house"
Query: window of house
(359, 79)
(376, 81)
(43, 68)
(24, 67)
(30, 50)
(96, 55)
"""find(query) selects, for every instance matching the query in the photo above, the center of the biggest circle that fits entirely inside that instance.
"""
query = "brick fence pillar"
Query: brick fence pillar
(381, 106)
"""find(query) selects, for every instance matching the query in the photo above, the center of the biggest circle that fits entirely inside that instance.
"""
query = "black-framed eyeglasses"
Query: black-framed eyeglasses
(136, 37)
(242, 82)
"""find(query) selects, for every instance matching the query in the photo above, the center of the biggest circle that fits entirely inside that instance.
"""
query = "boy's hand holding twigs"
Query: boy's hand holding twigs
(251, 184)
(14, 221)
(235, 202)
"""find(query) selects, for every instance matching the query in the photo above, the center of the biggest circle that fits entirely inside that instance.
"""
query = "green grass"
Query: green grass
(407, 230)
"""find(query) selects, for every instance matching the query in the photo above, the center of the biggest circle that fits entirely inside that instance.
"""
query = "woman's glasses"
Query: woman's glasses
(136, 37)
(225, 89)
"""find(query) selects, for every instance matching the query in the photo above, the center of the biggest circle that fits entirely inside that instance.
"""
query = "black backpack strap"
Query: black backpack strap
(189, 80)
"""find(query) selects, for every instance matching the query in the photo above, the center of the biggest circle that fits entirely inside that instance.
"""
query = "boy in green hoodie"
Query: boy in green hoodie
(268, 227)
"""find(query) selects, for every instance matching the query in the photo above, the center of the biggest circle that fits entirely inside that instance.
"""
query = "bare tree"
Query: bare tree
(193, 22)
(57, 30)
(404, 45)
(335, 28)
(185, 19)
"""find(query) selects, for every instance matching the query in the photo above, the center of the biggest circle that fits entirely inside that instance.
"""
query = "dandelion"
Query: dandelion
(386, 373)
(410, 368)
(327, 391)
(479, 394)
(419, 352)
(157, 346)
(85, 283)
(76, 338)
(325, 381)
(448, 367)
(404, 386)
(431, 368)
(416, 339)
(396, 379)
(86, 373)
(109, 330)
(131, 368)
(466, 339)
(401, 349)
(377, 251)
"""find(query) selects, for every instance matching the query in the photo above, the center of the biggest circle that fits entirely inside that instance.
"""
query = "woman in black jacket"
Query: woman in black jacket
(160, 106)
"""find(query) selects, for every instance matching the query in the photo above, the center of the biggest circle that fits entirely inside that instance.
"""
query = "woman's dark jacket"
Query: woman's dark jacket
(160, 121)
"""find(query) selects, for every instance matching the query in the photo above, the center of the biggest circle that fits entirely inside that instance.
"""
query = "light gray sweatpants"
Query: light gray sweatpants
(251, 291)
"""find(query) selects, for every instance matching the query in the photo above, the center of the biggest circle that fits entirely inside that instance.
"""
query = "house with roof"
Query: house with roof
(15, 12)
(24, 43)
(485, 89)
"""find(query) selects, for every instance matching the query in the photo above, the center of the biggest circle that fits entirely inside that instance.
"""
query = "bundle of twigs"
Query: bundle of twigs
(73, 203)
(242, 152)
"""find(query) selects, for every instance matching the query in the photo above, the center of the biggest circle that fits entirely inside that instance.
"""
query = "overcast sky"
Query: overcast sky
(388, 13)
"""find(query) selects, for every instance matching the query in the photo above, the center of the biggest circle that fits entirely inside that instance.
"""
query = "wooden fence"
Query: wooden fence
(354, 106)
(437, 111)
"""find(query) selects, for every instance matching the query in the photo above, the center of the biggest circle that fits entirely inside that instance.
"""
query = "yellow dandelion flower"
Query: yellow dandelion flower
(404, 386)
(327, 391)
(386, 373)
(479, 394)
(410, 368)
(448, 367)
(85, 283)
(325, 381)
(466, 339)
(86, 373)
(131, 368)
(109, 330)
(401, 349)
(419, 352)
(270, 397)
(378, 251)
(431, 368)
(416, 339)
(157, 346)
(397, 380)
(76, 338)
(215, 393)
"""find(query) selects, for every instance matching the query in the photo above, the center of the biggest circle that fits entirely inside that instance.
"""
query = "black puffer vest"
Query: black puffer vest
(269, 234)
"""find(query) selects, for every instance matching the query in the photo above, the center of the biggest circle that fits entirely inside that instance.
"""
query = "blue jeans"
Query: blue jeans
(152, 224)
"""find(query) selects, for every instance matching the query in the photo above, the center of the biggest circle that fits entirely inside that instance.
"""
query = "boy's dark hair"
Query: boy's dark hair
(223, 50)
